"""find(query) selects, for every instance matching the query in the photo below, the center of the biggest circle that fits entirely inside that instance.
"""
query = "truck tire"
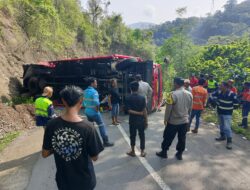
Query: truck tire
(42, 83)
(33, 85)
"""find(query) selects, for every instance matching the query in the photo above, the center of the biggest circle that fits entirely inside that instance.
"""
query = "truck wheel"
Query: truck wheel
(42, 83)
(33, 85)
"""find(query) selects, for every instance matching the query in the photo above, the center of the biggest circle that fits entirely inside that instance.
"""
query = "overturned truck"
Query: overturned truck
(75, 72)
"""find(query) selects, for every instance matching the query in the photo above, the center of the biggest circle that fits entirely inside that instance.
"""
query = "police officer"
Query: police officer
(91, 103)
(44, 109)
(177, 113)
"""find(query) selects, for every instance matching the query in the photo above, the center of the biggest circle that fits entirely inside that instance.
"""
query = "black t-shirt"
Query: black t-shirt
(115, 97)
(137, 103)
(73, 143)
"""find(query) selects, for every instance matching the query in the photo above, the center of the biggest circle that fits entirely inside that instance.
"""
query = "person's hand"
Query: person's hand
(165, 123)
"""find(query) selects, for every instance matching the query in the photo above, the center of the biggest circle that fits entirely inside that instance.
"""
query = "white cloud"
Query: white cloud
(149, 11)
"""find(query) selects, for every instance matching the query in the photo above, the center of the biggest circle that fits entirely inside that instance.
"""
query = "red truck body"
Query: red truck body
(74, 71)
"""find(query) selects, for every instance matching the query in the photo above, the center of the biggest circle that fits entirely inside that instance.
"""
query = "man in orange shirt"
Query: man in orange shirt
(232, 88)
(199, 101)
(245, 95)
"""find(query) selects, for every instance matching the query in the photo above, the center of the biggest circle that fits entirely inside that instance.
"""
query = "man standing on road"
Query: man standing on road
(136, 105)
(199, 102)
(44, 109)
(144, 89)
(212, 86)
(177, 113)
(245, 104)
(74, 143)
(91, 104)
(226, 101)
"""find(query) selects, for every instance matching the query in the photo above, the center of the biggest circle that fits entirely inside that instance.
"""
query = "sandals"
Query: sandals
(131, 153)
(143, 154)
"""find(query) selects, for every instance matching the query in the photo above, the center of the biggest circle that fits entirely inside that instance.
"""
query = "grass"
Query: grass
(210, 116)
(7, 139)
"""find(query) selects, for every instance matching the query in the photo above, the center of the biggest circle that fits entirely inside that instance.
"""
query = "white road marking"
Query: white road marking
(145, 163)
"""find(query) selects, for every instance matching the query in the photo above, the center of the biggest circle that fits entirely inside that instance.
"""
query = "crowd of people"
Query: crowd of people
(75, 142)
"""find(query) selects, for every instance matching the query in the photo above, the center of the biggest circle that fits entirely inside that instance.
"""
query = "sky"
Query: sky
(160, 11)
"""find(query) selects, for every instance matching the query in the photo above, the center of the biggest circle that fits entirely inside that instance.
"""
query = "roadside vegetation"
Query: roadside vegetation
(8, 138)
(210, 116)
(64, 27)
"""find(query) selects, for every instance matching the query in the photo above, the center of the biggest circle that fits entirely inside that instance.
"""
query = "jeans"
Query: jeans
(225, 122)
(102, 128)
(169, 135)
(115, 110)
(197, 114)
(245, 112)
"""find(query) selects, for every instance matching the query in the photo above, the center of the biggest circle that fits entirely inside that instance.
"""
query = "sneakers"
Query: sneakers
(108, 144)
(162, 154)
(229, 143)
(195, 130)
(178, 156)
(220, 138)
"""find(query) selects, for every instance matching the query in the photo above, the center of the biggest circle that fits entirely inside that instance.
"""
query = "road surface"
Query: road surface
(207, 164)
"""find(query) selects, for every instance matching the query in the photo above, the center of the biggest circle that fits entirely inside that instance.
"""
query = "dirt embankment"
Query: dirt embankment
(14, 118)
(15, 51)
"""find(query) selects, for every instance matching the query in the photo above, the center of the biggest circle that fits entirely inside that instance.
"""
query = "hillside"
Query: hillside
(233, 21)
(31, 31)
(141, 25)
(14, 52)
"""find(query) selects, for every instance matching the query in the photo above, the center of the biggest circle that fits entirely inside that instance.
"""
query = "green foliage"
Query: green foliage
(224, 61)
(233, 21)
(19, 100)
(180, 50)
(22, 100)
(62, 25)
(7, 139)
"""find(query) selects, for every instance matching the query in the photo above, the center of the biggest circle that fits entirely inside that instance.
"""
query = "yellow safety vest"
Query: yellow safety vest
(41, 106)
(211, 84)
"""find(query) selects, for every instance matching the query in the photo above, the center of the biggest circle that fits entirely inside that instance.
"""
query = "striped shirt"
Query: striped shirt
(226, 102)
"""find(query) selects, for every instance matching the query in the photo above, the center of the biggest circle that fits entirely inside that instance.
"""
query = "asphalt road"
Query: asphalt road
(207, 164)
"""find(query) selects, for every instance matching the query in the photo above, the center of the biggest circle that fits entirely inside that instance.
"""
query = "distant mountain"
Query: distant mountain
(233, 21)
(141, 25)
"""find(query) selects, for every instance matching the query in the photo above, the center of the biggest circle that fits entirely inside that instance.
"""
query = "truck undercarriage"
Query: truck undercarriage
(75, 72)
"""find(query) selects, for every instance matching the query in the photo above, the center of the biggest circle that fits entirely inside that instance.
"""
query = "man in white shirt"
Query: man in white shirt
(144, 88)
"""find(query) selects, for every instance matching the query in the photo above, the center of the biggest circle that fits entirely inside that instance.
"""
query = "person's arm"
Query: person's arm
(205, 99)
(109, 101)
(46, 153)
(51, 112)
(47, 146)
(235, 101)
(169, 106)
(96, 101)
(149, 93)
(94, 145)
(135, 112)
(94, 158)
(190, 106)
